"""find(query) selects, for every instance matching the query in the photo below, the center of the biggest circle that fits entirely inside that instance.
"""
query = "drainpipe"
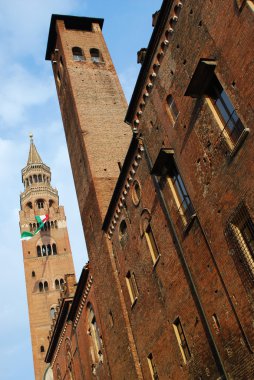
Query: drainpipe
(186, 268)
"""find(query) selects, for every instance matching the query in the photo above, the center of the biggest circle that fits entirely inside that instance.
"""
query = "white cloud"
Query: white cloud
(20, 90)
(27, 22)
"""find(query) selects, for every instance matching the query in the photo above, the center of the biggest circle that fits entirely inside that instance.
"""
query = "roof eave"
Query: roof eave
(151, 50)
(75, 22)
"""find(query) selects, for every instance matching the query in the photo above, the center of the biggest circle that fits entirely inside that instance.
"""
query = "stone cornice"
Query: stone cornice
(123, 185)
(38, 190)
(83, 301)
(160, 40)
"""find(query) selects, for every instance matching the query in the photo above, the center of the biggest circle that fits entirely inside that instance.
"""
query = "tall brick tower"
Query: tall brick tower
(47, 256)
(93, 107)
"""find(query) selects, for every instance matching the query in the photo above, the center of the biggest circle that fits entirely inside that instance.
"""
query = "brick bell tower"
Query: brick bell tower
(47, 255)
(93, 107)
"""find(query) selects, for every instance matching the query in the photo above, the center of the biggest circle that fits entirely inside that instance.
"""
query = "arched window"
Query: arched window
(57, 285)
(146, 230)
(69, 361)
(55, 224)
(42, 349)
(44, 252)
(58, 374)
(136, 192)
(33, 273)
(29, 205)
(31, 179)
(52, 225)
(96, 340)
(40, 203)
(96, 55)
(38, 251)
(52, 312)
(39, 178)
(46, 286)
(51, 203)
(123, 228)
(61, 284)
(40, 287)
(30, 227)
(34, 227)
(123, 232)
(54, 249)
(35, 178)
(49, 249)
(77, 54)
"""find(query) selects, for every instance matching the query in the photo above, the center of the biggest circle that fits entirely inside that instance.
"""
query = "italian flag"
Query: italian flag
(41, 220)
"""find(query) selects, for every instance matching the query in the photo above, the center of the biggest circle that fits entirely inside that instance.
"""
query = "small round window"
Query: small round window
(136, 193)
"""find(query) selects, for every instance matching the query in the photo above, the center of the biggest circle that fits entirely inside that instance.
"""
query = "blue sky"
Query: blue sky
(28, 103)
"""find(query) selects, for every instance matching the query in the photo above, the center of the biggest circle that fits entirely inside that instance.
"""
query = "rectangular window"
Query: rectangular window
(204, 83)
(172, 109)
(132, 286)
(152, 367)
(240, 237)
(229, 121)
(180, 195)
(181, 339)
(165, 167)
(152, 244)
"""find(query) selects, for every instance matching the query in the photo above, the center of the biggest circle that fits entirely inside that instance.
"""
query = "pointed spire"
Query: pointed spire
(34, 157)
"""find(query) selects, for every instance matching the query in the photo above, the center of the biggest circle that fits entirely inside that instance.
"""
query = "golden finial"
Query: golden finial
(31, 137)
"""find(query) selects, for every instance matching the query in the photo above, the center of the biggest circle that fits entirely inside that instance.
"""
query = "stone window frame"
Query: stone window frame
(146, 230)
(58, 372)
(206, 82)
(136, 192)
(242, 3)
(59, 283)
(93, 331)
(181, 340)
(96, 55)
(152, 367)
(123, 232)
(69, 359)
(43, 286)
(166, 168)
(78, 54)
(132, 287)
(241, 249)
(172, 109)
(40, 203)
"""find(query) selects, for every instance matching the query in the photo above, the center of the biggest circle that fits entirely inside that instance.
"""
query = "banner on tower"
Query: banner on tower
(41, 220)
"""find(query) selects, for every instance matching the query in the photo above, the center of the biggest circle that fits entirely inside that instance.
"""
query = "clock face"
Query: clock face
(48, 375)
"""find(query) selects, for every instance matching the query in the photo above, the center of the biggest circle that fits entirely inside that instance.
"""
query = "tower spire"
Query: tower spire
(33, 157)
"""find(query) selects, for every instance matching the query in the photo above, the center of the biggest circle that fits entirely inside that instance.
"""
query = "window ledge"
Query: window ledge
(250, 5)
(134, 302)
(240, 142)
(156, 262)
(189, 223)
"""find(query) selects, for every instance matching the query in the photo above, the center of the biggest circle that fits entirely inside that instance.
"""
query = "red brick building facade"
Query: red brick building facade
(172, 250)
